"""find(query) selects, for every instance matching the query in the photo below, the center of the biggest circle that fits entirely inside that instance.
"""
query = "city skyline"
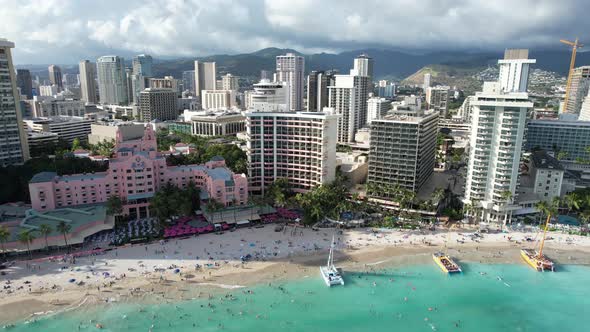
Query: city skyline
(66, 31)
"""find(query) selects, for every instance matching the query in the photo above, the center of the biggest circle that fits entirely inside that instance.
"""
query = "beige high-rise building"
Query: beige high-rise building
(205, 76)
(13, 139)
(578, 89)
(88, 81)
(229, 82)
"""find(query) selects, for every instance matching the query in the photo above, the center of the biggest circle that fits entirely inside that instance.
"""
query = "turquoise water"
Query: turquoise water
(390, 300)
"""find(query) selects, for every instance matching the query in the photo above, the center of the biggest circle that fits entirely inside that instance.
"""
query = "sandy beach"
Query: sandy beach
(199, 266)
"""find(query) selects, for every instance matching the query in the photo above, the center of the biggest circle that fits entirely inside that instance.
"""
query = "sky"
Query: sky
(67, 31)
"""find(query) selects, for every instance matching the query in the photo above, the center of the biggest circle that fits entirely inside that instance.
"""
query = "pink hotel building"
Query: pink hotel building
(137, 171)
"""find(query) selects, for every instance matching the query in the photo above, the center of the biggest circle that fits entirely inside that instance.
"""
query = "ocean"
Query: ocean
(408, 298)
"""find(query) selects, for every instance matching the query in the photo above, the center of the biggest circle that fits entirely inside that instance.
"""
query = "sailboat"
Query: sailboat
(536, 259)
(444, 261)
(329, 272)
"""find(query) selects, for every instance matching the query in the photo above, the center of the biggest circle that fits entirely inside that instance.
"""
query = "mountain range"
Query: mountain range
(389, 64)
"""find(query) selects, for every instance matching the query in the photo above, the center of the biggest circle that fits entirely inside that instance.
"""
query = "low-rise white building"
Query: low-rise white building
(215, 123)
(67, 128)
(377, 108)
(218, 99)
(45, 106)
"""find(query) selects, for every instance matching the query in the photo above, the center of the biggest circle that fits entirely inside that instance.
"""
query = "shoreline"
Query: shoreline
(358, 251)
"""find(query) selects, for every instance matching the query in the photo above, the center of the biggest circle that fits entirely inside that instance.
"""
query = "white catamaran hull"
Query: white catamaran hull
(331, 276)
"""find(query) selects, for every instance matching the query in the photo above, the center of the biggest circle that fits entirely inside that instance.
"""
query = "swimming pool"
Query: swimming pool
(567, 220)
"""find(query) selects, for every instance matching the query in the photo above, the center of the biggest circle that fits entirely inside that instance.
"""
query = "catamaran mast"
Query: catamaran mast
(330, 256)
(544, 234)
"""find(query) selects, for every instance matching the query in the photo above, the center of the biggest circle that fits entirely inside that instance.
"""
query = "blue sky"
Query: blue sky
(66, 31)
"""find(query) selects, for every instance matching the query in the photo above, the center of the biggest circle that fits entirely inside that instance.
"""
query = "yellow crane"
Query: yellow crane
(575, 45)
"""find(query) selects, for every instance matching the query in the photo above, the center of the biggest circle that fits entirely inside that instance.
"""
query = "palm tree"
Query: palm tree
(572, 201)
(27, 238)
(584, 218)
(4, 235)
(64, 228)
(506, 197)
(45, 230)
(437, 195)
(548, 209)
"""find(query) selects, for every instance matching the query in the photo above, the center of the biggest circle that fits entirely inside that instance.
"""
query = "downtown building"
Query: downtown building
(290, 69)
(13, 139)
(136, 173)
(437, 98)
(205, 76)
(498, 120)
(88, 87)
(348, 97)
(67, 128)
(579, 86)
(44, 106)
(402, 151)
(317, 89)
(211, 123)
(112, 80)
(24, 83)
(55, 77)
(160, 104)
(377, 108)
(297, 146)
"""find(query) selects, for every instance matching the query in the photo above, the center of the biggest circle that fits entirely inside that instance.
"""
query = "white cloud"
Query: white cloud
(65, 31)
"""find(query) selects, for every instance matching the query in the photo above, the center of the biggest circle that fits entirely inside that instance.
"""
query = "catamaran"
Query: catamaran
(536, 259)
(329, 272)
(444, 261)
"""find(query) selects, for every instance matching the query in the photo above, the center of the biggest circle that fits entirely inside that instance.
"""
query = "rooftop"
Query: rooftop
(543, 160)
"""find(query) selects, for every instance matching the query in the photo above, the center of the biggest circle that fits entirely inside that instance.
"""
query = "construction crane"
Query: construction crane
(575, 45)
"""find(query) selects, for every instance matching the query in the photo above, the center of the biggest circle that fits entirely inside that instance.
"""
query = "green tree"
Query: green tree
(4, 236)
(64, 228)
(114, 205)
(27, 237)
(584, 218)
(437, 196)
(572, 201)
(76, 144)
(45, 230)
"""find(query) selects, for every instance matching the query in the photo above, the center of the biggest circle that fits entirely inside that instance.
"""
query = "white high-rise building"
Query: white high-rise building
(377, 108)
(112, 80)
(88, 81)
(585, 110)
(205, 76)
(268, 96)
(514, 70)
(13, 138)
(290, 69)
(498, 121)
(48, 90)
(363, 65)
(426, 84)
(348, 97)
(297, 146)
